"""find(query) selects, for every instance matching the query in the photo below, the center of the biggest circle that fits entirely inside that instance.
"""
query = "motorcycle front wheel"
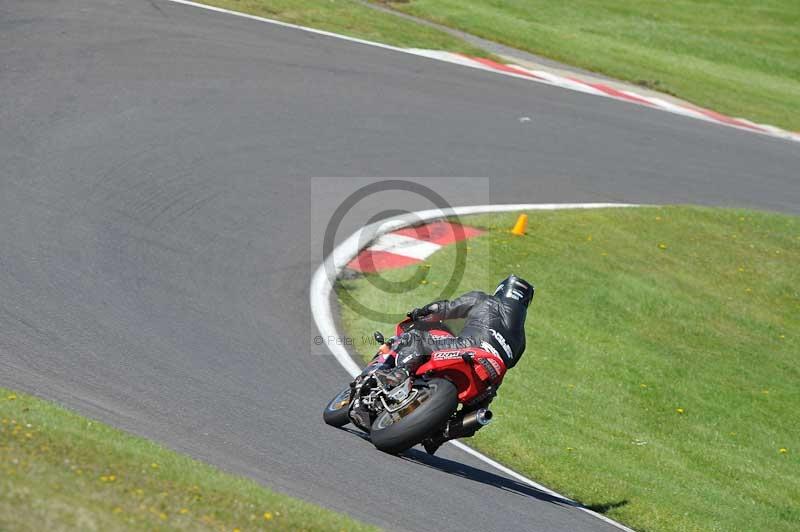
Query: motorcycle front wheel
(337, 412)
(435, 402)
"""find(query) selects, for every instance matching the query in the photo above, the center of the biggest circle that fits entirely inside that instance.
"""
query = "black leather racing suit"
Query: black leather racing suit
(492, 323)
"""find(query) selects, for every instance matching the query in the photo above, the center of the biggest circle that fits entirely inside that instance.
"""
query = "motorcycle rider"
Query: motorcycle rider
(494, 323)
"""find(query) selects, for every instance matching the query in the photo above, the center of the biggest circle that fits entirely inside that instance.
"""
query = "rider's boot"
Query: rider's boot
(408, 359)
(390, 378)
(433, 443)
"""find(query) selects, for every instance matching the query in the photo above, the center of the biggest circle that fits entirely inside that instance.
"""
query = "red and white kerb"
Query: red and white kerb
(410, 245)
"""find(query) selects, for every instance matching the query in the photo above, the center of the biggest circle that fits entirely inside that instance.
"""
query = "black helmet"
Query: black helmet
(515, 288)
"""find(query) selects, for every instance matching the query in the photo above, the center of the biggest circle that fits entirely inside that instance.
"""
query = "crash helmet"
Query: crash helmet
(515, 289)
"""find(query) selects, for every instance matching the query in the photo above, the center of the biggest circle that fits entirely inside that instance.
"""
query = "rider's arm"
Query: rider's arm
(449, 310)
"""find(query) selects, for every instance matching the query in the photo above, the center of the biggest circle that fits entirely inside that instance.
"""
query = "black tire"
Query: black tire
(336, 413)
(438, 404)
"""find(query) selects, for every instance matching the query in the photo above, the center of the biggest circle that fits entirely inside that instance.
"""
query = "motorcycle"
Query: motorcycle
(444, 399)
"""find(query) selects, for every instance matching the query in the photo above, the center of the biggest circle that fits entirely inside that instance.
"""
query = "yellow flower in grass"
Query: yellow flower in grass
(267, 516)
(680, 410)
(783, 450)
(662, 245)
(11, 397)
(154, 465)
(183, 511)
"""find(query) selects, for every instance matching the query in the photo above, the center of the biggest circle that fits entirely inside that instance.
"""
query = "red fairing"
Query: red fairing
(470, 377)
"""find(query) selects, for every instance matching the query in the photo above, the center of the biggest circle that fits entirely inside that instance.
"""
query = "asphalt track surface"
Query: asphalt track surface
(155, 199)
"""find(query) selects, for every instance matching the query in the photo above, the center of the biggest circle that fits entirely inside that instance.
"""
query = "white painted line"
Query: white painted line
(546, 78)
(447, 57)
(322, 287)
(525, 480)
(561, 81)
(679, 109)
(405, 246)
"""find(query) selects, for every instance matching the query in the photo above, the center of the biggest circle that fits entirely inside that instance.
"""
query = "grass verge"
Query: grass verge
(660, 381)
(352, 18)
(739, 58)
(61, 471)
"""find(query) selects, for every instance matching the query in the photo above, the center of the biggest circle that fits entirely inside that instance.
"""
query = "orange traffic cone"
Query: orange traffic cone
(520, 225)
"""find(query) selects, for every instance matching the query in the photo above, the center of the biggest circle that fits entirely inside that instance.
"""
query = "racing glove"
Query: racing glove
(419, 314)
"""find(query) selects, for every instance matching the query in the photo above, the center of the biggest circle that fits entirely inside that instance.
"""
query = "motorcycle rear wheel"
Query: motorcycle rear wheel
(337, 411)
(436, 401)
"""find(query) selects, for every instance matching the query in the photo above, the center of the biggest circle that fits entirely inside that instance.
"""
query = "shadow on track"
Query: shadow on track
(504, 483)
(479, 475)
(490, 479)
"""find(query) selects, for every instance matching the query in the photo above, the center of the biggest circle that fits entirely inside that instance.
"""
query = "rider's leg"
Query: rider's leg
(381, 362)
(412, 351)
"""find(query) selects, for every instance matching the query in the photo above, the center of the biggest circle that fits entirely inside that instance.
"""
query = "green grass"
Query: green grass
(61, 471)
(640, 313)
(737, 57)
(350, 17)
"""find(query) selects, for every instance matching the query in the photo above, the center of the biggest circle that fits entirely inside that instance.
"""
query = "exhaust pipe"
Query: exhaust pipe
(470, 423)
(478, 418)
